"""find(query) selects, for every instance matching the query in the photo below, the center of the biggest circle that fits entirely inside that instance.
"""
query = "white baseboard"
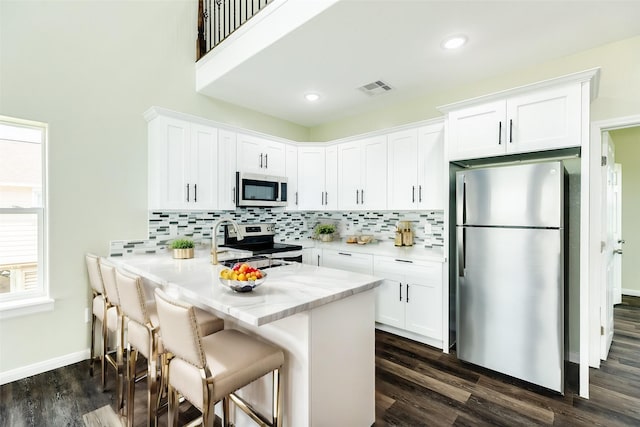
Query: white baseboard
(40, 367)
(631, 292)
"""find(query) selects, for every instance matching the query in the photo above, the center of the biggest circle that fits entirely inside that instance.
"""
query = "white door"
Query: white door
(544, 120)
(274, 158)
(431, 171)
(226, 170)
(291, 165)
(608, 245)
(477, 131)
(331, 178)
(350, 166)
(311, 178)
(403, 161)
(423, 313)
(203, 183)
(617, 235)
(390, 305)
(373, 190)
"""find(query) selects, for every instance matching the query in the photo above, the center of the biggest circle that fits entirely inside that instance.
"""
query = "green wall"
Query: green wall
(627, 152)
(90, 69)
(619, 93)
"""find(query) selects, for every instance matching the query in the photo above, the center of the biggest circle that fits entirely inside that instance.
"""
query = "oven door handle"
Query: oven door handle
(280, 255)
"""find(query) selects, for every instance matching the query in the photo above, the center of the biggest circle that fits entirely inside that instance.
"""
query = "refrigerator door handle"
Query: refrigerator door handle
(461, 250)
(461, 203)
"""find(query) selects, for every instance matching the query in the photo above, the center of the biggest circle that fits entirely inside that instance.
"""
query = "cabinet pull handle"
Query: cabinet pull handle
(344, 253)
(260, 160)
(400, 289)
(318, 260)
(413, 194)
(187, 192)
(420, 193)
(510, 130)
(266, 161)
(326, 198)
(407, 292)
(296, 198)
(322, 196)
(195, 193)
(357, 202)
(233, 195)
(404, 260)
(500, 132)
(362, 197)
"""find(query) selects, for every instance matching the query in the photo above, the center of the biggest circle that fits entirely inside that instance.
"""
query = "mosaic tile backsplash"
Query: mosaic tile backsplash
(290, 226)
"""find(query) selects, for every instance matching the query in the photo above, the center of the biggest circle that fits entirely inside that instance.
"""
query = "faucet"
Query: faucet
(214, 233)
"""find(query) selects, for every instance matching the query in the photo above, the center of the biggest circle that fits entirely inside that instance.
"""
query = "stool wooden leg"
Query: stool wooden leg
(105, 348)
(225, 411)
(173, 406)
(93, 343)
(277, 399)
(131, 384)
(120, 367)
(152, 390)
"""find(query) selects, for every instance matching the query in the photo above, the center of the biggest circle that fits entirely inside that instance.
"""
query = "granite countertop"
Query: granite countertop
(415, 253)
(286, 291)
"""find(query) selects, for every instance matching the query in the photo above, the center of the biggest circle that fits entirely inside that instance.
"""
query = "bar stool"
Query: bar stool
(207, 369)
(102, 311)
(108, 273)
(143, 336)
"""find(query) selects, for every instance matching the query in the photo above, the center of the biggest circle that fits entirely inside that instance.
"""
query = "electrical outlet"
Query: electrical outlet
(427, 228)
(87, 315)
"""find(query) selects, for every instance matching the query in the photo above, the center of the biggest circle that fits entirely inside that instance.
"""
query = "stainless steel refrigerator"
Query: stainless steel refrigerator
(510, 280)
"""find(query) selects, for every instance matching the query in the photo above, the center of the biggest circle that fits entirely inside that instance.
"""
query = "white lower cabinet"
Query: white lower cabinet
(312, 256)
(410, 297)
(350, 261)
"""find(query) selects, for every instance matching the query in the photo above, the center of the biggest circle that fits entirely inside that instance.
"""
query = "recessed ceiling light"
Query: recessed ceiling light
(311, 97)
(454, 42)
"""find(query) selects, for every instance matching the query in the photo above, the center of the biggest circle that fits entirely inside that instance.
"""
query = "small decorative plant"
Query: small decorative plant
(182, 248)
(325, 232)
(182, 244)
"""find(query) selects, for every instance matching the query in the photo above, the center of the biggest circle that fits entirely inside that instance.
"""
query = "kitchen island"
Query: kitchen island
(322, 318)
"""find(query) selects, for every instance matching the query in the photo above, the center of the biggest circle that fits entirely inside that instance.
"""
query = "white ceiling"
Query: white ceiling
(353, 43)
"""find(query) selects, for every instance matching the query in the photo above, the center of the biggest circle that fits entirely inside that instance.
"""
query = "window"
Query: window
(22, 213)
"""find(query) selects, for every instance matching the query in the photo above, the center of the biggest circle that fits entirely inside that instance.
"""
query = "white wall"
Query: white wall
(90, 69)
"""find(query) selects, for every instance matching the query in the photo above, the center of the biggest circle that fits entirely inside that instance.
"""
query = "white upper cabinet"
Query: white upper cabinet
(317, 178)
(182, 165)
(544, 119)
(227, 168)
(330, 178)
(291, 166)
(362, 174)
(416, 168)
(260, 155)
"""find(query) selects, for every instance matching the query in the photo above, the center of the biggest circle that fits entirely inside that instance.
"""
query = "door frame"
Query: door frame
(590, 323)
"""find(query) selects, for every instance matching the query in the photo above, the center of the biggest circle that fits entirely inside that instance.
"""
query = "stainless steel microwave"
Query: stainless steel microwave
(260, 190)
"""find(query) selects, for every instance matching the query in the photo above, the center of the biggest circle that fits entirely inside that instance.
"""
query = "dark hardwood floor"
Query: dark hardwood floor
(416, 385)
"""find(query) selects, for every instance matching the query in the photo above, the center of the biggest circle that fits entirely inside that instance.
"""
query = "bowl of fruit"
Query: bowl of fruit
(242, 277)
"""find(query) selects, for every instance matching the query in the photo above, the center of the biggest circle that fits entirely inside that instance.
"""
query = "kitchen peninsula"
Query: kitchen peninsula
(322, 318)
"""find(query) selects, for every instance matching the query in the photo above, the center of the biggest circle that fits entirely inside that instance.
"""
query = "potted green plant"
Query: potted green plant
(182, 248)
(325, 232)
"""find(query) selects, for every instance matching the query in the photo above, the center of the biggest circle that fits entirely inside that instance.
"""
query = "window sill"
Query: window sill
(25, 307)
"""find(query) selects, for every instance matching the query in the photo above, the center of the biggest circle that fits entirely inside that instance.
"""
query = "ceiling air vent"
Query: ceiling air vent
(376, 88)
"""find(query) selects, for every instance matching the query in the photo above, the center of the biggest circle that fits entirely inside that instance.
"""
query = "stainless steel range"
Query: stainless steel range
(259, 240)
